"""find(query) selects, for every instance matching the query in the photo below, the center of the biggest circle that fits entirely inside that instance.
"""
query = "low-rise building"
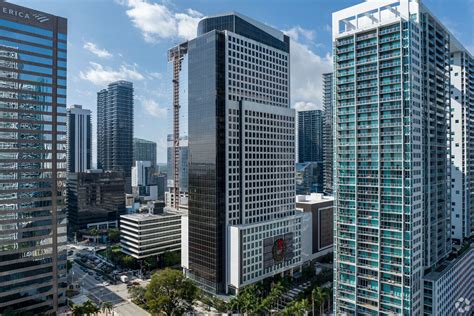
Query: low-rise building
(146, 235)
(316, 225)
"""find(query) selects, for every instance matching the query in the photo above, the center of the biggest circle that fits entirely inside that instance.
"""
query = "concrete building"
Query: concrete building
(33, 139)
(462, 142)
(146, 235)
(241, 153)
(310, 136)
(115, 129)
(94, 198)
(328, 133)
(79, 139)
(449, 289)
(317, 225)
(391, 173)
(144, 150)
(309, 177)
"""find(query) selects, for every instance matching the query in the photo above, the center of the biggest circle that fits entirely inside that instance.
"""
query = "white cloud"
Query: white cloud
(153, 108)
(305, 106)
(100, 75)
(156, 21)
(99, 52)
(298, 33)
(306, 74)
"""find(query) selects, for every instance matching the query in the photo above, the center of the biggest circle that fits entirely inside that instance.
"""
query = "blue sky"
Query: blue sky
(128, 39)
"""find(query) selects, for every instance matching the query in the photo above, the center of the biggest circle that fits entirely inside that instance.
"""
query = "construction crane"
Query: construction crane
(176, 56)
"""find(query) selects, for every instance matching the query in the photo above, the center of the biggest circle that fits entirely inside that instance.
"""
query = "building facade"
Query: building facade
(448, 290)
(328, 133)
(310, 136)
(94, 197)
(241, 153)
(115, 129)
(146, 235)
(317, 225)
(309, 177)
(32, 160)
(391, 173)
(144, 150)
(183, 171)
(462, 142)
(144, 181)
(79, 139)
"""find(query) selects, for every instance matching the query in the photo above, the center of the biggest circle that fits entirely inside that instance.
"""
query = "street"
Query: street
(93, 286)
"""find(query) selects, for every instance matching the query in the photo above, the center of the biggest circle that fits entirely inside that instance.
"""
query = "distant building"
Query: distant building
(328, 133)
(316, 226)
(79, 139)
(310, 136)
(146, 235)
(144, 182)
(183, 163)
(309, 177)
(115, 129)
(144, 150)
(94, 197)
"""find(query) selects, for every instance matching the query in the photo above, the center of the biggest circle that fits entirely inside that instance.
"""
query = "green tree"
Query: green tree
(128, 261)
(318, 296)
(272, 298)
(170, 292)
(77, 310)
(113, 235)
(106, 307)
(89, 308)
(68, 265)
(171, 258)
(94, 232)
(295, 308)
(137, 295)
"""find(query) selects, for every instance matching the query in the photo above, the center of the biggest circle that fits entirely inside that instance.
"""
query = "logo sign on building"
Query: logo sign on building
(277, 249)
(25, 15)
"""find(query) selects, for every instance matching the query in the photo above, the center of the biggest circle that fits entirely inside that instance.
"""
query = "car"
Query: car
(106, 283)
(90, 273)
(97, 278)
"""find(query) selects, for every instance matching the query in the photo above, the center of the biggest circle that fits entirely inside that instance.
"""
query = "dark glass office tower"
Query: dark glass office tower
(144, 150)
(310, 136)
(79, 139)
(115, 129)
(241, 155)
(32, 160)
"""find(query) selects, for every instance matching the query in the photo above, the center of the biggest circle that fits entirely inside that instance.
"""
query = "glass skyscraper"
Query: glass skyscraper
(328, 133)
(32, 160)
(115, 129)
(79, 139)
(241, 155)
(144, 150)
(392, 156)
(310, 136)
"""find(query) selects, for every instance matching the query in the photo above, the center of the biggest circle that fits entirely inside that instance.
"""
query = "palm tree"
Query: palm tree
(318, 295)
(77, 310)
(90, 308)
(107, 307)
(329, 296)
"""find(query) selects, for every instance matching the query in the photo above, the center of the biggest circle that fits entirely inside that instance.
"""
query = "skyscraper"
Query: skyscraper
(183, 163)
(462, 142)
(144, 150)
(243, 225)
(79, 139)
(115, 129)
(392, 179)
(310, 136)
(32, 160)
(328, 130)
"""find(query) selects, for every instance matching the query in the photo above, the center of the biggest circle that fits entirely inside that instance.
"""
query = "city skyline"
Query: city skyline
(98, 58)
